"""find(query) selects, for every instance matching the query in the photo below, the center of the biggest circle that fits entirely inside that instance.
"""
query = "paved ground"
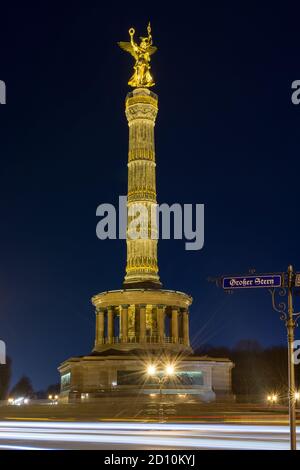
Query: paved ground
(154, 409)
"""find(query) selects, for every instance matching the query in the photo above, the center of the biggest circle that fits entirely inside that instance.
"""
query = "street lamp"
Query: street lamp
(290, 317)
(151, 370)
(170, 370)
(53, 399)
(272, 399)
(161, 375)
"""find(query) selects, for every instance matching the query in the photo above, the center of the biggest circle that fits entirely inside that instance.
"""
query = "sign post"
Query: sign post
(290, 325)
(285, 282)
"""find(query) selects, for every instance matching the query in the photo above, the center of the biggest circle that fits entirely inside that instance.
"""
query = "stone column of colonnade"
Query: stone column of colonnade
(179, 319)
(142, 322)
(124, 323)
(174, 325)
(110, 324)
(100, 326)
(161, 322)
(180, 326)
(185, 328)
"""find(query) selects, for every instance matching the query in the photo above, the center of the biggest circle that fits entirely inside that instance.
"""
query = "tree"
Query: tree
(23, 388)
(5, 376)
(257, 371)
(248, 346)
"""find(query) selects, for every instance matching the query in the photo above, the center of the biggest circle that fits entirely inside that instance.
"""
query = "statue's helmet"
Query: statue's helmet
(144, 42)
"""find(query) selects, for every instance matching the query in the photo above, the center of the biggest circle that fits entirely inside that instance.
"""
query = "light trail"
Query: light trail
(33, 435)
(144, 426)
(16, 447)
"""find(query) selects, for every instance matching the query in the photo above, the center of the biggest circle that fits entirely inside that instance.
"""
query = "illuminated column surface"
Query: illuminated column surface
(161, 322)
(110, 324)
(124, 323)
(185, 328)
(142, 322)
(175, 324)
(141, 112)
(99, 326)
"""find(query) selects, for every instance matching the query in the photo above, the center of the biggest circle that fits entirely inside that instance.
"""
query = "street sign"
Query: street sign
(286, 281)
(249, 282)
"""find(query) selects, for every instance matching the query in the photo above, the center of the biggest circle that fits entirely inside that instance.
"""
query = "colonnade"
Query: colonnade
(142, 323)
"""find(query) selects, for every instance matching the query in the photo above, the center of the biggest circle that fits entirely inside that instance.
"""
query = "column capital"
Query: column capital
(142, 305)
(100, 310)
(125, 305)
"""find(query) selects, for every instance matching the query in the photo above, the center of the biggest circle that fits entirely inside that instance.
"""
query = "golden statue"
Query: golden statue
(142, 77)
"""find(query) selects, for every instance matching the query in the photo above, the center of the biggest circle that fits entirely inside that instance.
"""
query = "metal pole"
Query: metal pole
(290, 324)
(161, 412)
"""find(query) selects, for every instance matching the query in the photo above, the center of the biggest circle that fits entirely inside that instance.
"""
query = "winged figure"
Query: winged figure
(142, 54)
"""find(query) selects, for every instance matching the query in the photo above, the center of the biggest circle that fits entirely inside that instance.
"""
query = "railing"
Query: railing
(138, 340)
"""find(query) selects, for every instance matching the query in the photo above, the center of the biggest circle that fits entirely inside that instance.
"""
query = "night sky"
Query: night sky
(227, 135)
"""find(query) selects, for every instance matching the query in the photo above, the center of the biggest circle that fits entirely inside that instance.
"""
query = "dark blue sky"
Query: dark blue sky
(227, 135)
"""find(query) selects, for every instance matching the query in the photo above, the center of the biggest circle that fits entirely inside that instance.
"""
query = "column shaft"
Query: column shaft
(96, 329)
(100, 326)
(110, 324)
(174, 325)
(161, 323)
(124, 323)
(185, 328)
(142, 322)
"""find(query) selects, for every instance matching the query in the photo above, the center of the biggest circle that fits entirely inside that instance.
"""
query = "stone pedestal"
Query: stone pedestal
(93, 377)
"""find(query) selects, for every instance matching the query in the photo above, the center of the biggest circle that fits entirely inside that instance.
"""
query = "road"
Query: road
(125, 435)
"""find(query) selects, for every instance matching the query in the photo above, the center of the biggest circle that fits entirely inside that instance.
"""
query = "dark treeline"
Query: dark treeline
(258, 371)
(23, 387)
(5, 377)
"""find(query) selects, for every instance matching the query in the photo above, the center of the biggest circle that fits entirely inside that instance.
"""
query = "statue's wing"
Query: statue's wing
(152, 49)
(126, 46)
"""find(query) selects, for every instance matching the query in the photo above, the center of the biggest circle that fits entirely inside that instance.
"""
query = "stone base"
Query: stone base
(112, 373)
